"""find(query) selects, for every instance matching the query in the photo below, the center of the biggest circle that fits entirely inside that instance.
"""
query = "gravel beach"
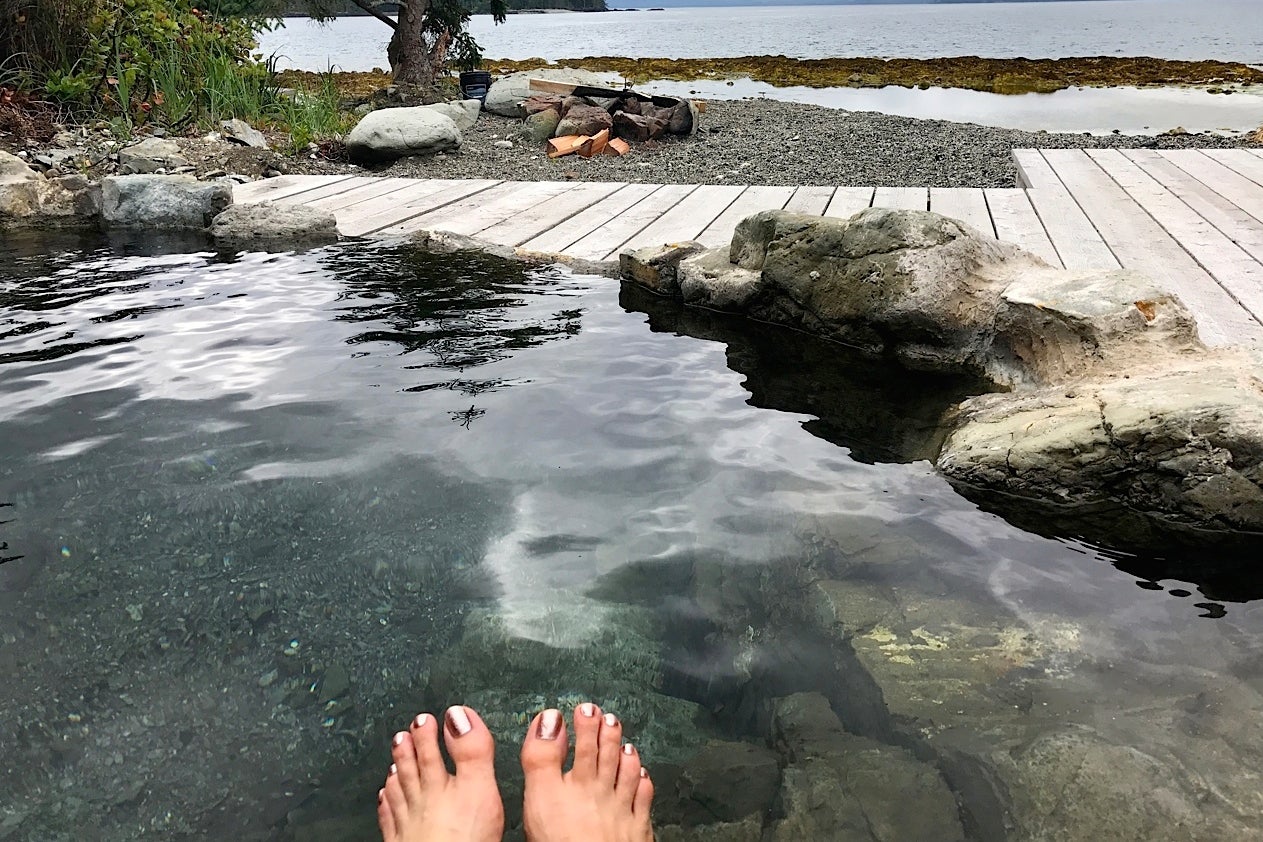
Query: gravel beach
(762, 141)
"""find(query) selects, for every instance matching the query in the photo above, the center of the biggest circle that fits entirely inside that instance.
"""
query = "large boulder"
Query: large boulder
(162, 201)
(20, 189)
(1184, 438)
(269, 224)
(539, 126)
(506, 94)
(390, 133)
(462, 112)
(584, 120)
(29, 198)
(150, 155)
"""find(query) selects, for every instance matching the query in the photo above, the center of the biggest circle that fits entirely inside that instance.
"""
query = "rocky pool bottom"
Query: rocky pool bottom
(260, 509)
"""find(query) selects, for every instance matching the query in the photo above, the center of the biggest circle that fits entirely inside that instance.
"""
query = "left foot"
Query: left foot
(421, 802)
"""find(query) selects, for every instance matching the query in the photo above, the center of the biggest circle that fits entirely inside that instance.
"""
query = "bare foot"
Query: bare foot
(421, 802)
(605, 797)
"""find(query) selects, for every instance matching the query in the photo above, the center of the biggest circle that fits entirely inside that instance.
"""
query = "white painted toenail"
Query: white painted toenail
(394, 770)
(381, 795)
(458, 721)
(628, 750)
(550, 725)
(421, 719)
(644, 773)
(587, 709)
(611, 720)
(398, 739)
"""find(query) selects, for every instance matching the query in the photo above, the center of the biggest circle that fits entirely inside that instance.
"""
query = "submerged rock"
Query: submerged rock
(390, 133)
(162, 201)
(264, 221)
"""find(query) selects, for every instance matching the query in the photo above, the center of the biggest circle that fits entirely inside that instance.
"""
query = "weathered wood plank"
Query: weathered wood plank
(688, 219)
(968, 204)
(606, 238)
(271, 189)
(1228, 183)
(1016, 222)
(549, 213)
(902, 198)
(368, 189)
(812, 201)
(1239, 226)
(751, 201)
(1033, 170)
(1236, 272)
(1140, 243)
(377, 214)
(1239, 160)
(848, 201)
(1076, 239)
(333, 188)
(470, 216)
(558, 238)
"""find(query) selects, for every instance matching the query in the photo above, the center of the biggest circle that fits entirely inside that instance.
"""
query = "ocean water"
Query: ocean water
(257, 510)
(1230, 30)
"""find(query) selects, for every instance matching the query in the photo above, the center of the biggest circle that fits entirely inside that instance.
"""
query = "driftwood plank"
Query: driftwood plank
(848, 201)
(1236, 272)
(1016, 222)
(606, 239)
(687, 219)
(751, 201)
(558, 238)
(902, 198)
(813, 201)
(377, 214)
(968, 204)
(1140, 243)
(549, 213)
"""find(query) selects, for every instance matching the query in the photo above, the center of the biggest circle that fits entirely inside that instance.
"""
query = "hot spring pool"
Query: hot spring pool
(259, 509)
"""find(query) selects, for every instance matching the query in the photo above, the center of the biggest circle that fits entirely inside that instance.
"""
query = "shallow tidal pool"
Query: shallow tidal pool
(257, 510)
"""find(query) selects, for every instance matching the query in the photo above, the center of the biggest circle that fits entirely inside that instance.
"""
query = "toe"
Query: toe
(643, 801)
(405, 765)
(425, 740)
(396, 800)
(587, 725)
(609, 742)
(544, 748)
(469, 742)
(628, 775)
(385, 819)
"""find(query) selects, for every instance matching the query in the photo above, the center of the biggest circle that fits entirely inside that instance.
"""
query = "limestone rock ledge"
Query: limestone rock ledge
(1111, 396)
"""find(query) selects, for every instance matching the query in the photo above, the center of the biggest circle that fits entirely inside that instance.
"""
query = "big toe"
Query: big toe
(545, 746)
(469, 742)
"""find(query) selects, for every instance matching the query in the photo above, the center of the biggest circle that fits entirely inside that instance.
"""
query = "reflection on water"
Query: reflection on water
(260, 509)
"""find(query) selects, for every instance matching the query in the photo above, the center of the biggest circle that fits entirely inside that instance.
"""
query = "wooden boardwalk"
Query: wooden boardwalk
(1191, 219)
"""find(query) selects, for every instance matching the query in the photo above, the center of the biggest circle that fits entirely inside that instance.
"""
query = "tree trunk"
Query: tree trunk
(411, 60)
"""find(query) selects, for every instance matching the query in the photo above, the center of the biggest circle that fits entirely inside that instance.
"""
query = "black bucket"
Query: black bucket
(474, 84)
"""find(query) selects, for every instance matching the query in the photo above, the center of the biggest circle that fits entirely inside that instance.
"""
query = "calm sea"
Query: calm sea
(1177, 29)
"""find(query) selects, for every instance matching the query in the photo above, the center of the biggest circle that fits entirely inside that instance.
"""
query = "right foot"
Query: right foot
(606, 795)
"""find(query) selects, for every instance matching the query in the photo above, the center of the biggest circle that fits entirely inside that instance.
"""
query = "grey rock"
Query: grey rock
(502, 144)
(655, 267)
(539, 127)
(162, 201)
(506, 94)
(150, 155)
(726, 782)
(709, 279)
(1184, 437)
(289, 224)
(749, 829)
(391, 133)
(239, 131)
(334, 683)
(21, 189)
(463, 112)
(29, 198)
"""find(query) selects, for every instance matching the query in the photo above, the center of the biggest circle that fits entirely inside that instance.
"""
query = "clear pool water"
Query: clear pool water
(256, 510)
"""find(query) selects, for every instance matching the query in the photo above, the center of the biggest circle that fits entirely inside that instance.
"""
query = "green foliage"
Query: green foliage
(311, 116)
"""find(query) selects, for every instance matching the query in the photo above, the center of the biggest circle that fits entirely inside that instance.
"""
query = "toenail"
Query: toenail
(587, 709)
(397, 740)
(644, 773)
(549, 724)
(611, 720)
(458, 721)
(628, 750)
(381, 794)
(394, 770)
(420, 721)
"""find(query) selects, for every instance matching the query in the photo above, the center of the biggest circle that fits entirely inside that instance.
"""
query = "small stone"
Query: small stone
(268, 678)
(503, 144)
(134, 612)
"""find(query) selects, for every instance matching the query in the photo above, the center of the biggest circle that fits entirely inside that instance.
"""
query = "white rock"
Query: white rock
(150, 155)
(264, 221)
(463, 112)
(506, 94)
(391, 133)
